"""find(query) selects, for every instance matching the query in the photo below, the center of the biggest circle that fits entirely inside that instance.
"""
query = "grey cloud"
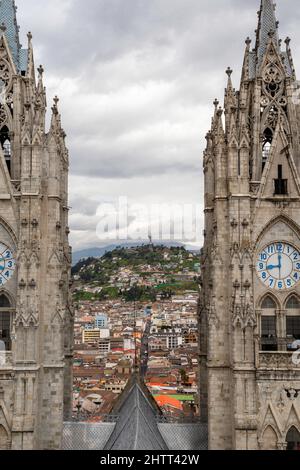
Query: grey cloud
(137, 79)
(83, 205)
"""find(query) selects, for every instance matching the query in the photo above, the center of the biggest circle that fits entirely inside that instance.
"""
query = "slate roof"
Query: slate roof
(136, 428)
(185, 436)
(267, 23)
(86, 436)
(9, 19)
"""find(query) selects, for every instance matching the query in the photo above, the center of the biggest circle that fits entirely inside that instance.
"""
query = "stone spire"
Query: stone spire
(246, 62)
(230, 99)
(267, 28)
(290, 57)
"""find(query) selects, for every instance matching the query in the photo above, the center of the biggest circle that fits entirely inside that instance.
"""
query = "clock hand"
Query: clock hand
(271, 266)
(279, 266)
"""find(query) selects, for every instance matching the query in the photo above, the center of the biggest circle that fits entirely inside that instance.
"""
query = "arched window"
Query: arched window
(268, 325)
(268, 303)
(293, 439)
(266, 148)
(293, 323)
(4, 441)
(4, 302)
(269, 440)
(6, 146)
(5, 322)
(293, 303)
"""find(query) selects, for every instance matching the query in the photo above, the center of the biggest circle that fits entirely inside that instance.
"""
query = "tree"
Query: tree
(184, 376)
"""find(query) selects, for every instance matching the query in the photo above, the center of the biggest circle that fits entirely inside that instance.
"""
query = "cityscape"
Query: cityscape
(157, 336)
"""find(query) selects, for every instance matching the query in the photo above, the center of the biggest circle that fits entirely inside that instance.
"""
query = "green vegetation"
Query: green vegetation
(142, 294)
(184, 377)
(82, 295)
(163, 271)
(182, 398)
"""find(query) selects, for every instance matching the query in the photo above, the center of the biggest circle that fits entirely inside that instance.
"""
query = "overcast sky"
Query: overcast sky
(136, 81)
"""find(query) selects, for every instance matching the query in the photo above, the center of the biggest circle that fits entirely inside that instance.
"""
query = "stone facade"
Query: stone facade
(250, 384)
(35, 368)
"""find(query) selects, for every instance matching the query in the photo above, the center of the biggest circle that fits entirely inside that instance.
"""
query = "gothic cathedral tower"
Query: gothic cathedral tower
(250, 303)
(35, 314)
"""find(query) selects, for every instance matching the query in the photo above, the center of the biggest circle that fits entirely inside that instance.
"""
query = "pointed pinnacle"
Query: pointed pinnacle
(229, 71)
(40, 70)
(287, 41)
(54, 107)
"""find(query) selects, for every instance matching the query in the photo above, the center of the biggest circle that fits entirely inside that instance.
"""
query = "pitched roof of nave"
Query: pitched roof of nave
(9, 27)
(136, 428)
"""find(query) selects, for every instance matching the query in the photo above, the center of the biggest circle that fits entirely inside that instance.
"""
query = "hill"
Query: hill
(100, 251)
(142, 272)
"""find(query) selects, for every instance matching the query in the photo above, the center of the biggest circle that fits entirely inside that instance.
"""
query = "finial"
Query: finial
(40, 70)
(229, 72)
(29, 35)
(216, 103)
(248, 41)
(54, 107)
(287, 41)
(3, 27)
(208, 135)
(279, 42)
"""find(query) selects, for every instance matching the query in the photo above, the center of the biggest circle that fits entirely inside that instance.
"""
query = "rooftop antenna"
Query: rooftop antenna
(150, 241)
(136, 368)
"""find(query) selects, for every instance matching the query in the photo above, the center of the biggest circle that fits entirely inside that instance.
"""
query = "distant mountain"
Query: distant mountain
(99, 252)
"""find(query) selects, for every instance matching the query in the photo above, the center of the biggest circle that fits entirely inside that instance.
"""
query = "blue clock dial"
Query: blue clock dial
(7, 264)
(278, 266)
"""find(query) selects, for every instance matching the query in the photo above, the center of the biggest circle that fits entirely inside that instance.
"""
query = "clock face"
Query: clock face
(7, 264)
(278, 266)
